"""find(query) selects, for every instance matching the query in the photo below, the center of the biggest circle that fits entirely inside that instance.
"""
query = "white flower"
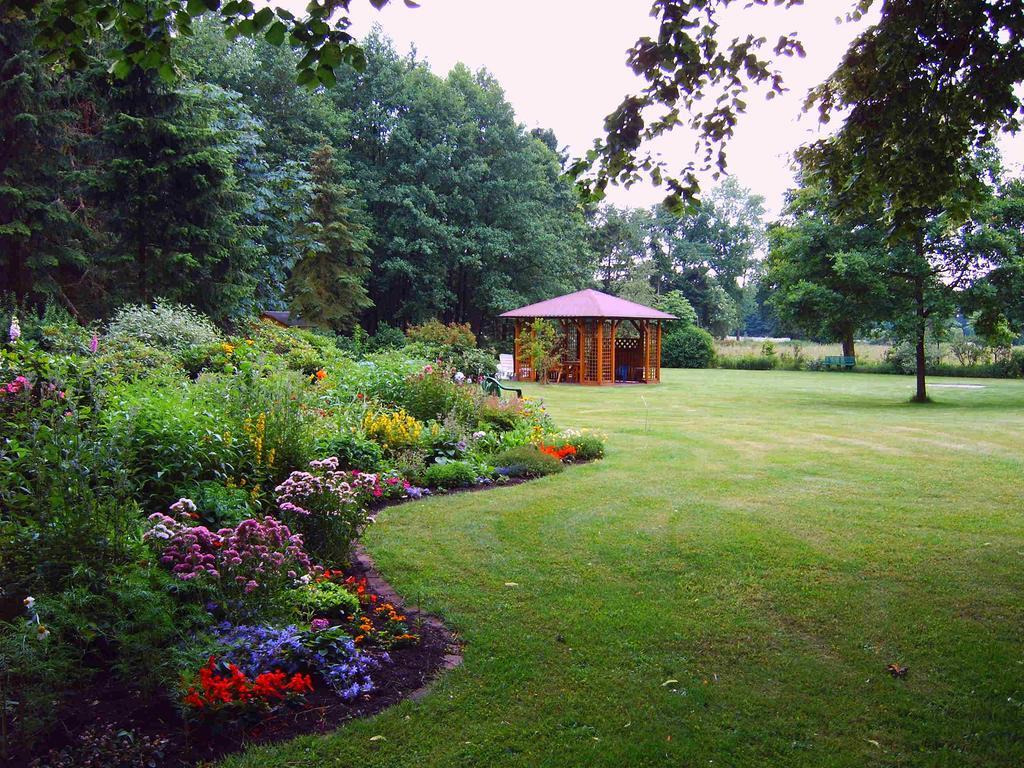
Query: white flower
(29, 603)
(42, 632)
(183, 506)
(479, 435)
(459, 377)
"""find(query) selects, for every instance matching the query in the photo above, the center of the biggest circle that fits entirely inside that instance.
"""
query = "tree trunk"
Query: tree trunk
(848, 350)
(921, 395)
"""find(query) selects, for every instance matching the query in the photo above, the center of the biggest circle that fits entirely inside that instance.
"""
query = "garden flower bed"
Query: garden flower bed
(178, 540)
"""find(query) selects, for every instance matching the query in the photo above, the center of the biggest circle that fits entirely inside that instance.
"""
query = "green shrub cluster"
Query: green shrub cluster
(687, 347)
(526, 461)
(454, 474)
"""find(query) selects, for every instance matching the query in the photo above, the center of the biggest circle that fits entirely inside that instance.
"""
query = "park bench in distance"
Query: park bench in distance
(840, 361)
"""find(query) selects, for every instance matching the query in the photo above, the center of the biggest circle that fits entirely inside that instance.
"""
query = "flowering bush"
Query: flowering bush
(379, 622)
(163, 325)
(559, 452)
(327, 504)
(393, 430)
(254, 556)
(327, 652)
(588, 445)
(222, 685)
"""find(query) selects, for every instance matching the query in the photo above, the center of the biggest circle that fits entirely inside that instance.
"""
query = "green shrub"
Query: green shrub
(469, 361)
(386, 337)
(354, 450)
(380, 376)
(127, 359)
(218, 505)
(1012, 366)
(453, 474)
(687, 347)
(66, 498)
(60, 333)
(501, 413)
(272, 421)
(164, 325)
(431, 394)
(588, 445)
(175, 439)
(324, 598)
(526, 461)
(436, 332)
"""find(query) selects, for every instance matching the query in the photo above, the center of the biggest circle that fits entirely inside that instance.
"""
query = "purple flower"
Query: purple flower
(94, 343)
(15, 330)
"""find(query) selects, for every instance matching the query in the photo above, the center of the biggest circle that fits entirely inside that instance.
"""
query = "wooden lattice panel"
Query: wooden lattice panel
(571, 345)
(651, 338)
(607, 353)
(590, 352)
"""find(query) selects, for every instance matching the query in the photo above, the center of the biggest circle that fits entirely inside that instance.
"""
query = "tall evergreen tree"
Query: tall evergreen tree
(328, 283)
(40, 238)
(168, 180)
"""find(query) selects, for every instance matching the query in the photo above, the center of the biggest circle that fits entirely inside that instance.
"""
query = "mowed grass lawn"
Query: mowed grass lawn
(727, 587)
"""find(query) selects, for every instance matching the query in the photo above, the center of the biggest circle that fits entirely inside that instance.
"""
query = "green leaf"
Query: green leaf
(167, 73)
(326, 76)
(275, 35)
(330, 55)
(307, 77)
(121, 68)
(263, 17)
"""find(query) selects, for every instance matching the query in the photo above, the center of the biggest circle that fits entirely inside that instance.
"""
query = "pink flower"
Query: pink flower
(94, 343)
(318, 625)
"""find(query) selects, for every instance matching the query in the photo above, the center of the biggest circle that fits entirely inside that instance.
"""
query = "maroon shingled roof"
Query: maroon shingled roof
(590, 303)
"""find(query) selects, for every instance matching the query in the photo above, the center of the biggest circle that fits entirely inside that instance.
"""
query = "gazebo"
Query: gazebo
(603, 339)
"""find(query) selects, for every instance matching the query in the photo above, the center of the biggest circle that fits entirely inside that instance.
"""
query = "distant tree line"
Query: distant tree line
(392, 197)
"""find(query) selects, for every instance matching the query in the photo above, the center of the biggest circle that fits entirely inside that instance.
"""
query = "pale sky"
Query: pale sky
(562, 65)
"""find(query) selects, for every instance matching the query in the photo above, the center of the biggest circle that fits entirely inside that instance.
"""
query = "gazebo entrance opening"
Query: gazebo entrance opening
(602, 339)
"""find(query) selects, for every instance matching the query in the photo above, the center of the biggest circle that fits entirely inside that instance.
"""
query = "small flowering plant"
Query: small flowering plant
(323, 651)
(377, 622)
(254, 559)
(221, 687)
(327, 505)
(560, 452)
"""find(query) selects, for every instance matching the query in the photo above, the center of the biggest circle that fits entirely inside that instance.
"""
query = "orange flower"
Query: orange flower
(321, 374)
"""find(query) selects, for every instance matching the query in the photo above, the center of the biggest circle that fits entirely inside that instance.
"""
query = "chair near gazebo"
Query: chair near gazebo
(602, 339)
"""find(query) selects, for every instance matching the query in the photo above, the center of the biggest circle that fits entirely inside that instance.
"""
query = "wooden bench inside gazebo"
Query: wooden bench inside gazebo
(602, 339)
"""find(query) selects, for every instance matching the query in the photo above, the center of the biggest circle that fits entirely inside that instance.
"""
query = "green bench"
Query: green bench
(494, 387)
(840, 361)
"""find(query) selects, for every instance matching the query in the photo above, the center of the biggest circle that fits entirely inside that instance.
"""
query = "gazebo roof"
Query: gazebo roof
(590, 303)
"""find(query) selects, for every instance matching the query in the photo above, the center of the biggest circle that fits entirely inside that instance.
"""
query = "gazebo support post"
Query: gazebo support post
(516, 357)
(647, 352)
(581, 343)
(599, 339)
(659, 353)
(615, 325)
